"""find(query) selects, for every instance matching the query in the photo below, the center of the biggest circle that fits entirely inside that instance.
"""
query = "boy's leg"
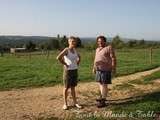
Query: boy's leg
(104, 91)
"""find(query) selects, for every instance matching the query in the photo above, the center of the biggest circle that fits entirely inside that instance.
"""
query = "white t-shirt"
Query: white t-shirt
(71, 60)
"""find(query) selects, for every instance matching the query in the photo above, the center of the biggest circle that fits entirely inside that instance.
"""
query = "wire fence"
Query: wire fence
(128, 60)
(41, 67)
(134, 60)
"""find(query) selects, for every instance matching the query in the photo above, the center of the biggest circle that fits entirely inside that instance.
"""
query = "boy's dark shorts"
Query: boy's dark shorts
(103, 77)
(70, 78)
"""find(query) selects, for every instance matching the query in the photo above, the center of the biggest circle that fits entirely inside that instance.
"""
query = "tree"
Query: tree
(1, 51)
(132, 43)
(30, 46)
(117, 42)
(41, 46)
(63, 42)
(58, 36)
(79, 43)
(90, 45)
(141, 43)
(47, 46)
(54, 43)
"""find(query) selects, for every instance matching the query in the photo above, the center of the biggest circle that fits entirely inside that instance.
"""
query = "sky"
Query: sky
(139, 19)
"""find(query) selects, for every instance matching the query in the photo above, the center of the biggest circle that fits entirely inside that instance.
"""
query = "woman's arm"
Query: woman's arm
(61, 55)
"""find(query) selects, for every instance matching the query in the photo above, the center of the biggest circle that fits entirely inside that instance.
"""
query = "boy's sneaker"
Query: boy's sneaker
(100, 99)
(101, 103)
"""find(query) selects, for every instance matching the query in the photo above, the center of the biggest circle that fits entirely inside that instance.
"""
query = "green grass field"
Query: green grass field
(22, 71)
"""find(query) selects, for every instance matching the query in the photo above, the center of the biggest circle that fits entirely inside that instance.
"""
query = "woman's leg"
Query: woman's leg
(73, 93)
(65, 95)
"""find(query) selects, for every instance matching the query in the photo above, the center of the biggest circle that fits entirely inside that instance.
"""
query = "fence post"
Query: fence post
(1, 53)
(48, 53)
(29, 54)
(151, 52)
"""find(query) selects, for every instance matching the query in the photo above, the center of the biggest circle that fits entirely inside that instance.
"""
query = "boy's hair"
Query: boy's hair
(102, 38)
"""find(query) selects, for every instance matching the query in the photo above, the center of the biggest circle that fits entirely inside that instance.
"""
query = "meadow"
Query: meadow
(37, 69)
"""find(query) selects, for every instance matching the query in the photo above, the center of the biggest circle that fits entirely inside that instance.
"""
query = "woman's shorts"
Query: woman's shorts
(70, 78)
(103, 77)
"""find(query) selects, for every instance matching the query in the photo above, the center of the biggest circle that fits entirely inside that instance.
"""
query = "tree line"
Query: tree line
(118, 43)
(61, 42)
(31, 44)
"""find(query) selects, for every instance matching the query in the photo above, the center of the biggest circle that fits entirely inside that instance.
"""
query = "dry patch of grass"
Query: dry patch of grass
(46, 103)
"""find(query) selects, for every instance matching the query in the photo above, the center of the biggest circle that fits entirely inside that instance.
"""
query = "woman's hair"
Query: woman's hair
(102, 38)
(72, 37)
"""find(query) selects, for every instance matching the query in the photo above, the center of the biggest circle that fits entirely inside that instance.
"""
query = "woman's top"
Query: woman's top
(71, 59)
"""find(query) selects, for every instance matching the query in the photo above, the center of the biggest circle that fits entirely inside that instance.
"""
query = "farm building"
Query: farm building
(15, 50)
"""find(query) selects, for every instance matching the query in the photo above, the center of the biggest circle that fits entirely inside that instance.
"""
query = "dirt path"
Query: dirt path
(45, 102)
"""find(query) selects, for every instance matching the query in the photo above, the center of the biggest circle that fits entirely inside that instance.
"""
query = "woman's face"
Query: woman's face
(101, 42)
(72, 43)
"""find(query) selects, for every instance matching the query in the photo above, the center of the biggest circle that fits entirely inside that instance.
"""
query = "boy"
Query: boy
(104, 65)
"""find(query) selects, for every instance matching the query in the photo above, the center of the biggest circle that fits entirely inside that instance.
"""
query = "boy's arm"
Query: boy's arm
(113, 57)
(61, 55)
(94, 66)
(79, 60)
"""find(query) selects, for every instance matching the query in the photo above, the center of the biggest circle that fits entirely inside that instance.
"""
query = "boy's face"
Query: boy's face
(72, 43)
(101, 42)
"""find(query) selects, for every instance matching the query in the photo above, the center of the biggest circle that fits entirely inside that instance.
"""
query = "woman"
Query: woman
(104, 65)
(70, 58)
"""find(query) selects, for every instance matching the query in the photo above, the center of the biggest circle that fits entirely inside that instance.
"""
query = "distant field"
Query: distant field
(23, 71)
